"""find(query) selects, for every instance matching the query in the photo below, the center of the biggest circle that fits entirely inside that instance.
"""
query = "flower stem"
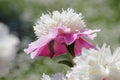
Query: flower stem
(70, 58)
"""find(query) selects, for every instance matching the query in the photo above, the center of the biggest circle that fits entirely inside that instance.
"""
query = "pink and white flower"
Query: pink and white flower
(63, 29)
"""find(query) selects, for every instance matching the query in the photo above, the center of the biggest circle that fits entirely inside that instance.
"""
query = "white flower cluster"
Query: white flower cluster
(67, 18)
(98, 64)
(57, 76)
(8, 48)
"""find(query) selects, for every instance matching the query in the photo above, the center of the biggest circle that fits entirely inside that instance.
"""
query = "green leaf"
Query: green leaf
(66, 62)
(51, 47)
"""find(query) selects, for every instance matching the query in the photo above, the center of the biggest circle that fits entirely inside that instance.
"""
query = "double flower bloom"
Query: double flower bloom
(57, 31)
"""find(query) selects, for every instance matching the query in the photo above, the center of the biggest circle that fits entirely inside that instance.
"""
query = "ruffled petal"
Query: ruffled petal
(41, 46)
(59, 46)
(81, 43)
(70, 38)
(37, 47)
(90, 34)
(43, 51)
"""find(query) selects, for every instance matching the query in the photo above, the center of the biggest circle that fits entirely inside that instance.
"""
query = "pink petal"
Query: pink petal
(39, 43)
(89, 31)
(70, 38)
(41, 46)
(44, 51)
(59, 46)
(90, 34)
(79, 44)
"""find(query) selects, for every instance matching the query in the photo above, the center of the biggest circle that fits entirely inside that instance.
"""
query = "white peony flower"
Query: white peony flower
(67, 18)
(57, 76)
(98, 64)
(8, 48)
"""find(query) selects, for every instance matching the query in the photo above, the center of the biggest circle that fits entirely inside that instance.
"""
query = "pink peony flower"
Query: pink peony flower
(60, 30)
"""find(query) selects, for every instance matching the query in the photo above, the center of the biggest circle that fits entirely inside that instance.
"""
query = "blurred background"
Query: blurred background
(17, 18)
